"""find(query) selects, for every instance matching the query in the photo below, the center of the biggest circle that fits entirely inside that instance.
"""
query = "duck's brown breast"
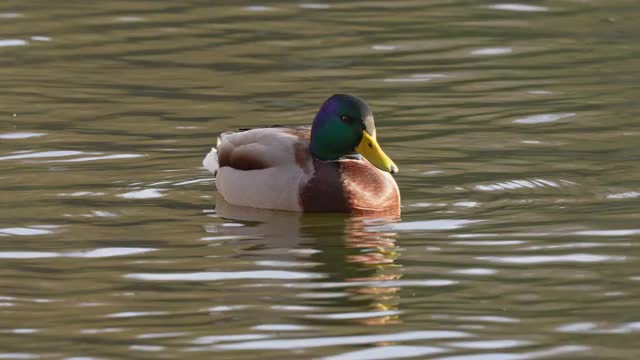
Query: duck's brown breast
(352, 186)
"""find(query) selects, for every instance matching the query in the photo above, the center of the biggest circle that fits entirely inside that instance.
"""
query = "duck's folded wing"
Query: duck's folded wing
(259, 149)
(262, 168)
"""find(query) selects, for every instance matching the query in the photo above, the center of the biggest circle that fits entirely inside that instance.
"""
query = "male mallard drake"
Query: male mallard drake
(316, 171)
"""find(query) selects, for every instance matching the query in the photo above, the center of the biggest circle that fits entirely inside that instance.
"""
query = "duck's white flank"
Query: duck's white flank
(277, 185)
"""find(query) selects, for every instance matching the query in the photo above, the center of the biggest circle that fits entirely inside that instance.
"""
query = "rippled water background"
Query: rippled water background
(515, 127)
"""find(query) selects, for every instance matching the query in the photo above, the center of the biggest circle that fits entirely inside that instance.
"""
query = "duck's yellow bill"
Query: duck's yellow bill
(371, 151)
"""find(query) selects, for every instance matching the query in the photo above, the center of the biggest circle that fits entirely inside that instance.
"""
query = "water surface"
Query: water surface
(514, 126)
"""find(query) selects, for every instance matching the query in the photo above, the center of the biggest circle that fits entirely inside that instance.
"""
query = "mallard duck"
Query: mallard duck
(334, 166)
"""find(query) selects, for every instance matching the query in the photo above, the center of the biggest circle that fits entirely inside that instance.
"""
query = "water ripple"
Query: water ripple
(129, 19)
(189, 182)
(520, 184)
(274, 263)
(322, 295)
(355, 315)
(478, 318)
(383, 47)
(579, 245)
(21, 135)
(492, 51)
(108, 252)
(543, 118)
(101, 331)
(518, 7)
(66, 153)
(20, 331)
(225, 308)
(42, 154)
(554, 351)
(97, 253)
(82, 193)
(625, 195)
(490, 344)
(544, 259)
(300, 308)
(415, 77)
(375, 284)
(606, 233)
(19, 356)
(143, 194)
(104, 157)
(315, 6)
(25, 231)
(485, 242)
(594, 328)
(216, 276)
(387, 352)
(147, 348)
(12, 42)
(444, 224)
(161, 335)
(342, 340)
(279, 327)
(10, 15)
(214, 339)
(475, 271)
(130, 314)
(27, 254)
(629, 232)
(258, 8)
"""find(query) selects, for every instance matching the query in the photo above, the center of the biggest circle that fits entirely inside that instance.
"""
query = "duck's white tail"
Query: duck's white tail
(210, 161)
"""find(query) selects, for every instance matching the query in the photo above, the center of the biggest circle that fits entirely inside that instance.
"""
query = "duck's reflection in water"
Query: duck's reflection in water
(277, 229)
(358, 264)
(375, 253)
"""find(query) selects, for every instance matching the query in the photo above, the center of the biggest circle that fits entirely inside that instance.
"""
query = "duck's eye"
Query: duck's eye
(346, 118)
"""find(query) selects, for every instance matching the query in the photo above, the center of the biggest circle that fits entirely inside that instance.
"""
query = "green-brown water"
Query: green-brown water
(515, 127)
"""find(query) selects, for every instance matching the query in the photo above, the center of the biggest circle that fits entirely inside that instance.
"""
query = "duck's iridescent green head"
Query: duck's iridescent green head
(343, 125)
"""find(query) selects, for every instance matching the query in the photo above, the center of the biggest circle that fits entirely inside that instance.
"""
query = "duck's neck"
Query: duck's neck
(324, 152)
(331, 145)
(331, 140)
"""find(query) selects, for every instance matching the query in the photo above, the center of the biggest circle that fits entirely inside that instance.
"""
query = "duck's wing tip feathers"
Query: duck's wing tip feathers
(210, 162)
